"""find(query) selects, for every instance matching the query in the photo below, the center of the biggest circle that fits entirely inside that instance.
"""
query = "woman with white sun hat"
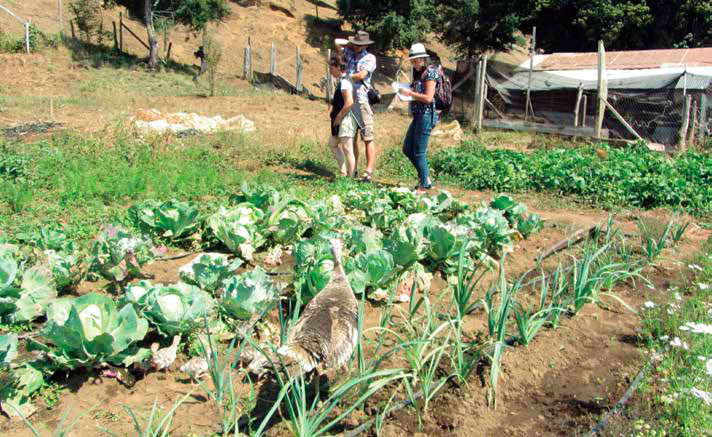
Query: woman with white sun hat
(422, 106)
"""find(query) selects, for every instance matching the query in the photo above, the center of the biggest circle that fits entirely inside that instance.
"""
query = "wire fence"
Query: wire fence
(666, 107)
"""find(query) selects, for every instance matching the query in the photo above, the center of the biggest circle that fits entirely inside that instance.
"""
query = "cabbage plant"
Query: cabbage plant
(175, 309)
(239, 228)
(251, 293)
(371, 270)
(117, 255)
(8, 349)
(289, 221)
(209, 270)
(89, 330)
(27, 300)
(172, 220)
(65, 267)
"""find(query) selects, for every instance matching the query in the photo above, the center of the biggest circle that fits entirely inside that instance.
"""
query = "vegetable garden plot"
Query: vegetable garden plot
(395, 241)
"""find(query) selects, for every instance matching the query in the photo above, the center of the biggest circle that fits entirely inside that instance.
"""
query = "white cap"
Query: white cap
(417, 50)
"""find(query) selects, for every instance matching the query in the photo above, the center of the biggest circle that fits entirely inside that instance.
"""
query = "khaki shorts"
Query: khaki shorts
(367, 116)
(348, 126)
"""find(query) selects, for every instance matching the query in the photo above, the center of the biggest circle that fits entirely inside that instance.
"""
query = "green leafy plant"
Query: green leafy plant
(238, 228)
(174, 309)
(248, 294)
(172, 220)
(28, 301)
(90, 330)
(209, 270)
(117, 255)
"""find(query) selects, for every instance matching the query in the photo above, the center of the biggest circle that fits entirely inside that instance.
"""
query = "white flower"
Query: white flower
(705, 396)
(677, 296)
(703, 286)
(708, 367)
(676, 342)
(694, 267)
(697, 328)
(664, 337)
(649, 304)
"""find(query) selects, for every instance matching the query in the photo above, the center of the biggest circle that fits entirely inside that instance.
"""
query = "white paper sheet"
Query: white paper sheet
(401, 86)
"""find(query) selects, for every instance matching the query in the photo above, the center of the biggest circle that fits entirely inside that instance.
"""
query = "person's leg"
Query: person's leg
(336, 150)
(408, 143)
(367, 137)
(355, 149)
(347, 150)
(422, 136)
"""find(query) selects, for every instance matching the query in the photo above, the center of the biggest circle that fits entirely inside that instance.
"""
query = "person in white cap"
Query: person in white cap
(422, 91)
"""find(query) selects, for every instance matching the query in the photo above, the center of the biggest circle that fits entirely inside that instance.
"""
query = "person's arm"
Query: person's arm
(348, 102)
(426, 97)
(366, 66)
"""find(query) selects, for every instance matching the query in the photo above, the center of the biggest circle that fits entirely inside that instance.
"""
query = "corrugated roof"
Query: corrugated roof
(634, 59)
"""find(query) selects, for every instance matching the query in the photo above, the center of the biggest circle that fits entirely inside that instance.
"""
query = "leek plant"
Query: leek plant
(498, 319)
(154, 426)
(653, 246)
(678, 230)
(463, 354)
(61, 430)
(311, 418)
(467, 281)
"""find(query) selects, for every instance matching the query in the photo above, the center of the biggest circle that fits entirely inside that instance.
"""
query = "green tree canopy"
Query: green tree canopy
(622, 24)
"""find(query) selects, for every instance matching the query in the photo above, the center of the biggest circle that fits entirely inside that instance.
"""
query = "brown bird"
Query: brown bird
(326, 333)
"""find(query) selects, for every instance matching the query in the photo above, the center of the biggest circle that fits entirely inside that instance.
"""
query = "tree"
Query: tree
(195, 14)
(622, 24)
(391, 23)
(473, 27)
(213, 55)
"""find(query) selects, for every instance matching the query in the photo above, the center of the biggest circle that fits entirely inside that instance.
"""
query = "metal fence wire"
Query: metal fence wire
(670, 106)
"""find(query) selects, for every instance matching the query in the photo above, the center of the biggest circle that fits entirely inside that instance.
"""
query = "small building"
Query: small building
(648, 88)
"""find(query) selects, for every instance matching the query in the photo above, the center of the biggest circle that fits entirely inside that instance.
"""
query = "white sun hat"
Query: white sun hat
(417, 50)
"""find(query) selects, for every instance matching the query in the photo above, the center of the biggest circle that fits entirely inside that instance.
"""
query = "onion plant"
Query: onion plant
(463, 354)
(154, 426)
(498, 319)
(309, 417)
(467, 281)
(653, 246)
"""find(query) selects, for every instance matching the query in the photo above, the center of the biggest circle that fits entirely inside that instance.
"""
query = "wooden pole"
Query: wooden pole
(625, 124)
(121, 32)
(685, 123)
(478, 82)
(272, 60)
(61, 18)
(602, 89)
(116, 36)
(298, 83)
(170, 47)
(703, 117)
(528, 102)
(328, 78)
(585, 108)
(131, 32)
(578, 104)
(71, 26)
(27, 36)
(483, 91)
(693, 128)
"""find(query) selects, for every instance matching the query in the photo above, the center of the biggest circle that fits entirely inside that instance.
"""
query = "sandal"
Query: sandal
(367, 176)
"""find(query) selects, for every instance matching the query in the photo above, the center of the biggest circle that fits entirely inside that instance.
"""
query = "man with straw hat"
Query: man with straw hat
(360, 65)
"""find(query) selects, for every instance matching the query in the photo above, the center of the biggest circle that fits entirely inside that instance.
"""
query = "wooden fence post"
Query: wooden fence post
(116, 37)
(483, 94)
(528, 102)
(682, 143)
(27, 36)
(585, 108)
(578, 104)
(121, 32)
(602, 89)
(298, 83)
(693, 128)
(272, 60)
(61, 18)
(703, 117)
(71, 26)
(478, 91)
(328, 78)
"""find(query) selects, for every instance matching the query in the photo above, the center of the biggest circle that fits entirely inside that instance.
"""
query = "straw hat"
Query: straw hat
(417, 50)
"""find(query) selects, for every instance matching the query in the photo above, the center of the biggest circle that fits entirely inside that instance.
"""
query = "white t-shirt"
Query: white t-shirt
(346, 84)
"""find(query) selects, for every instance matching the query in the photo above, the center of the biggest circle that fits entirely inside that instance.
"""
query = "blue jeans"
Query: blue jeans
(416, 144)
